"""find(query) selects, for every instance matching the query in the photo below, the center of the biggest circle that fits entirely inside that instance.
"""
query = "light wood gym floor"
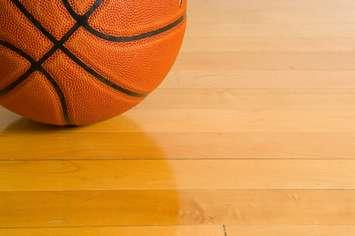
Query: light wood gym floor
(253, 133)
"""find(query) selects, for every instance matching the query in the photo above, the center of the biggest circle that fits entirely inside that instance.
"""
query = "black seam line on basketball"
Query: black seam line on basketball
(97, 76)
(59, 44)
(60, 94)
(17, 82)
(66, 37)
(18, 51)
(100, 77)
(23, 77)
(125, 39)
(113, 38)
(33, 20)
(72, 12)
(35, 67)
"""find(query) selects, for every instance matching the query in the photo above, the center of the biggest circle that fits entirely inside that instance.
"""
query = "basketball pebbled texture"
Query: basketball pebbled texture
(77, 62)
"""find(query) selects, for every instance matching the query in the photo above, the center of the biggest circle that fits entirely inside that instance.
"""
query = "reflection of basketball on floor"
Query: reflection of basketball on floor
(121, 174)
(126, 141)
(78, 62)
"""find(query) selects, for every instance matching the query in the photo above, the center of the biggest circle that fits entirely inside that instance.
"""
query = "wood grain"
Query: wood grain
(36, 143)
(176, 175)
(118, 231)
(314, 230)
(252, 133)
(171, 207)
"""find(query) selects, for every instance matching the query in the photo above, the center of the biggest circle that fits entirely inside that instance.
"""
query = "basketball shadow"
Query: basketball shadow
(118, 142)
(119, 138)
(23, 125)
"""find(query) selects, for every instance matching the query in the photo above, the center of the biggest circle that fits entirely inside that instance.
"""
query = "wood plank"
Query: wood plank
(188, 207)
(25, 140)
(276, 4)
(276, 12)
(251, 99)
(209, 78)
(316, 6)
(267, 61)
(36, 144)
(118, 231)
(291, 230)
(195, 120)
(269, 44)
(176, 175)
(222, 121)
(261, 26)
(267, 30)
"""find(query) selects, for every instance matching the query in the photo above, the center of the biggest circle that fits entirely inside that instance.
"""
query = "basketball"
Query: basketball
(77, 62)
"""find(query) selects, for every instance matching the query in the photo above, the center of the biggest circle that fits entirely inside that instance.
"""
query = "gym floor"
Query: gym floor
(252, 133)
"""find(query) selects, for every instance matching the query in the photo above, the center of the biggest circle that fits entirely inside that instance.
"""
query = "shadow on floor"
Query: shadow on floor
(39, 147)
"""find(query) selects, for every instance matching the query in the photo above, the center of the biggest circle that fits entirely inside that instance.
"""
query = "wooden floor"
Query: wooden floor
(253, 133)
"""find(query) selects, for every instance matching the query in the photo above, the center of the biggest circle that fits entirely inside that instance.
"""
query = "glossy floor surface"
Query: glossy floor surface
(253, 133)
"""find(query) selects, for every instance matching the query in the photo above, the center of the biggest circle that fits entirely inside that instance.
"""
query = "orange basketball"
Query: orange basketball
(76, 62)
